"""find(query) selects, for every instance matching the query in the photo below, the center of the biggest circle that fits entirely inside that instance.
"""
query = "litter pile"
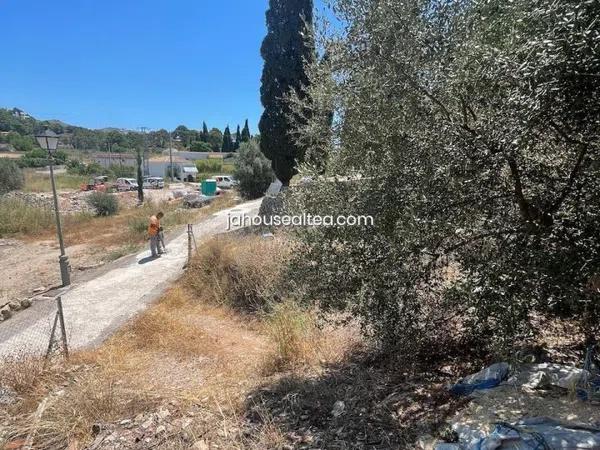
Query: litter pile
(535, 406)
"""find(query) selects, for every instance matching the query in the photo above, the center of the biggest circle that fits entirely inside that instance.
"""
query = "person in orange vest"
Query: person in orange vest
(154, 231)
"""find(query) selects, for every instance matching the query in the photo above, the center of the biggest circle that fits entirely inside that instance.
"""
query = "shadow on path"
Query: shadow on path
(147, 259)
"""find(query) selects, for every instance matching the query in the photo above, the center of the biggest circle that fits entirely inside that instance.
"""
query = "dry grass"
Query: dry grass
(128, 227)
(241, 272)
(296, 335)
(166, 328)
(205, 356)
(20, 218)
(40, 182)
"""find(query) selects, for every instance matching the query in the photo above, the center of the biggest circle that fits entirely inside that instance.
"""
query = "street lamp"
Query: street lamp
(48, 140)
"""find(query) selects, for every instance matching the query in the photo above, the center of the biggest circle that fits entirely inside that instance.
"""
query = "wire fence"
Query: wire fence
(44, 337)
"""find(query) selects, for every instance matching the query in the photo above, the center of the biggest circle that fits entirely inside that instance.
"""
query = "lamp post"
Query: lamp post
(48, 140)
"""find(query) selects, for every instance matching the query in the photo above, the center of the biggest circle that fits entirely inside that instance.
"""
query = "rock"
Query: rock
(25, 303)
(6, 313)
(15, 305)
(160, 429)
(338, 408)
(7, 396)
(538, 380)
(200, 445)
(147, 424)
(163, 414)
(426, 442)
(186, 423)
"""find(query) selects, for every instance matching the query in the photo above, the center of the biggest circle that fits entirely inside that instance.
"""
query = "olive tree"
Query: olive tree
(469, 130)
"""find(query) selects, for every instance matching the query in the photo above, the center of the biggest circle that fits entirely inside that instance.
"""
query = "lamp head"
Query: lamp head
(48, 140)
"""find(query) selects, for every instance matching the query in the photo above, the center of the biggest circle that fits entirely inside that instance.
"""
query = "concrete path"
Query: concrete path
(96, 308)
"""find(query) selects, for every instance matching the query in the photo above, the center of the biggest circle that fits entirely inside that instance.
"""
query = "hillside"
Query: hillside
(18, 129)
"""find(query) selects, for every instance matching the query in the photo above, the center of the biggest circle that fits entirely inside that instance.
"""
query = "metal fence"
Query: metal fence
(37, 332)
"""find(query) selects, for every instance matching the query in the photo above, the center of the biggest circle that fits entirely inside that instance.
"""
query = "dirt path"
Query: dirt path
(96, 308)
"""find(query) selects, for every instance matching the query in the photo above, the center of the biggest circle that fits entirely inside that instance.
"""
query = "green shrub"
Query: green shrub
(253, 171)
(200, 147)
(478, 163)
(104, 204)
(208, 166)
(11, 176)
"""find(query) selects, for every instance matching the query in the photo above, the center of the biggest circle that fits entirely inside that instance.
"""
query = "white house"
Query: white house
(182, 169)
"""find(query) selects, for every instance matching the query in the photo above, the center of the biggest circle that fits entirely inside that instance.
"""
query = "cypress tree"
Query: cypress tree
(204, 134)
(238, 139)
(246, 132)
(227, 141)
(286, 47)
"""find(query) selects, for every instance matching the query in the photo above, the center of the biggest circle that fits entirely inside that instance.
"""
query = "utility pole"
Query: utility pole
(171, 156)
(146, 156)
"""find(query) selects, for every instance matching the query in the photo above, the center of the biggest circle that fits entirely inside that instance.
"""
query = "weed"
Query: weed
(240, 272)
(298, 339)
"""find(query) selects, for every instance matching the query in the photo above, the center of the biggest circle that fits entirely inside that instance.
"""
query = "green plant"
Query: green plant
(104, 204)
(209, 166)
(253, 171)
(286, 51)
(11, 176)
(200, 146)
(138, 225)
(471, 137)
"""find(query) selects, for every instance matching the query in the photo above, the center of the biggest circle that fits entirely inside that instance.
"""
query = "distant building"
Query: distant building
(183, 169)
(20, 113)
(195, 156)
(115, 159)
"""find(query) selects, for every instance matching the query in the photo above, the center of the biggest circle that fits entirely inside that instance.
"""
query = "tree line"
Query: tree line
(19, 132)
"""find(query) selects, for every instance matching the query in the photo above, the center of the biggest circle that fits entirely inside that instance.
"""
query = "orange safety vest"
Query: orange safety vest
(154, 226)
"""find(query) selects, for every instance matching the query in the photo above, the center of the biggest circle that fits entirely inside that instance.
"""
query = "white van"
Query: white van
(126, 184)
(225, 181)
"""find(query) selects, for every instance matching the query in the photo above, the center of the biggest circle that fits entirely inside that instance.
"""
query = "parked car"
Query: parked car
(225, 181)
(126, 184)
(154, 183)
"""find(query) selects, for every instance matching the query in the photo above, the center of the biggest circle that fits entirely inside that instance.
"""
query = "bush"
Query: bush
(295, 333)
(11, 176)
(200, 147)
(210, 166)
(227, 271)
(474, 149)
(253, 171)
(104, 204)
(75, 167)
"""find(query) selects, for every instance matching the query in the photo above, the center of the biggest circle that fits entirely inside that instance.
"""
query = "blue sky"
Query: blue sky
(132, 63)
